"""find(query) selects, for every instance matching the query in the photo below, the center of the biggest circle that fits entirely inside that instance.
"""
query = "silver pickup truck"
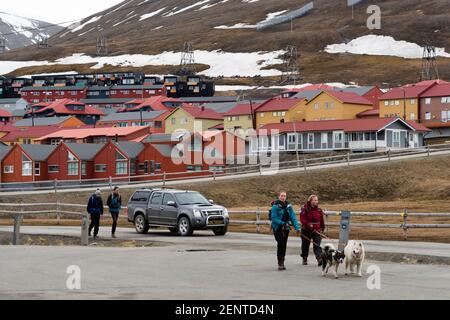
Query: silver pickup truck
(180, 211)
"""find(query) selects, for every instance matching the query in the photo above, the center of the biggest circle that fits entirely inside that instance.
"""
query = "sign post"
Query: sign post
(344, 230)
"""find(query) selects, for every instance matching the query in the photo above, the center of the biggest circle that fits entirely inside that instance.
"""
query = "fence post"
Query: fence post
(405, 224)
(258, 220)
(428, 150)
(389, 154)
(58, 213)
(110, 182)
(164, 180)
(325, 217)
(214, 175)
(84, 230)
(17, 222)
(344, 231)
(260, 169)
(348, 158)
(304, 163)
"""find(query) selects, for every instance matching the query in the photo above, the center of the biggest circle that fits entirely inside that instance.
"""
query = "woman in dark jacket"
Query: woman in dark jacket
(95, 209)
(313, 223)
(282, 213)
(114, 204)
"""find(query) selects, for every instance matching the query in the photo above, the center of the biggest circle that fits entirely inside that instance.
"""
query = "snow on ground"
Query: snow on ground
(221, 63)
(197, 4)
(221, 88)
(207, 6)
(245, 25)
(20, 25)
(76, 28)
(49, 74)
(151, 14)
(384, 46)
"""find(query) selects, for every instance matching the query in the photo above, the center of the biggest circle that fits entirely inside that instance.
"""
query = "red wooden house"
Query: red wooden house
(50, 94)
(135, 91)
(26, 163)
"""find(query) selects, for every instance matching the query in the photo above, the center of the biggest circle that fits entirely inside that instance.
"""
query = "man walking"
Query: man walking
(114, 204)
(95, 209)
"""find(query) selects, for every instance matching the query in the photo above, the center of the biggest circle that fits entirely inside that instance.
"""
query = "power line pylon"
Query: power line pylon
(187, 65)
(429, 64)
(102, 44)
(291, 73)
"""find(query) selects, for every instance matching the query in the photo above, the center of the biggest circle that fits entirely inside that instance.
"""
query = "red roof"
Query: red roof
(369, 113)
(346, 97)
(94, 132)
(312, 87)
(354, 125)
(438, 90)
(29, 132)
(60, 107)
(219, 126)
(155, 102)
(202, 113)
(414, 90)
(5, 114)
(277, 104)
(243, 109)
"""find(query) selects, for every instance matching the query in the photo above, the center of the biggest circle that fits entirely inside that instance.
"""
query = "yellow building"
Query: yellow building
(185, 117)
(402, 102)
(335, 105)
(240, 117)
(277, 110)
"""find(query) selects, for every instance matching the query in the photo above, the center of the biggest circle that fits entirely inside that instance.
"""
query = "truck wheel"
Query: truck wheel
(140, 224)
(184, 227)
(220, 231)
(173, 230)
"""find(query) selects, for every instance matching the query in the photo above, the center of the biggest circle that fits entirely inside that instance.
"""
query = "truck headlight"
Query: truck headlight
(197, 213)
(225, 213)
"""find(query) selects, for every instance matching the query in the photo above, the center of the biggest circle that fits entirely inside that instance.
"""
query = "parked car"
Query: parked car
(180, 211)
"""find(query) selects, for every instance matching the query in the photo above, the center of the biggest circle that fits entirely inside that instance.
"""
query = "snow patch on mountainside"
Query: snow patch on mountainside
(382, 46)
(221, 63)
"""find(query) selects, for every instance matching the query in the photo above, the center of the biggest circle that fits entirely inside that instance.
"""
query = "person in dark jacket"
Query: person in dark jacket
(282, 213)
(313, 223)
(114, 204)
(95, 209)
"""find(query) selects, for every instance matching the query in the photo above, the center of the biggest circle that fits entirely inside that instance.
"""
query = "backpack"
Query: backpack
(270, 210)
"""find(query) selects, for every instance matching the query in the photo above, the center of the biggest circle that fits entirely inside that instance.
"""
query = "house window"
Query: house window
(8, 169)
(427, 115)
(26, 166)
(324, 139)
(428, 101)
(100, 168)
(53, 169)
(412, 116)
(26, 141)
(158, 124)
(72, 168)
(37, 169)
(444, 117)
(173, 121)
(261, 115)
(83, 168)
(194, 168)
(215, 168)
(316, 106)
(121, 164)
(412, 101)
(386, 103)
(292, 141)
(132, 168)
(184, 120)
(55, 142)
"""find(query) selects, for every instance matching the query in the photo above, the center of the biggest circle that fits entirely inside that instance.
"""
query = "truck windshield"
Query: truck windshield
(191, 198)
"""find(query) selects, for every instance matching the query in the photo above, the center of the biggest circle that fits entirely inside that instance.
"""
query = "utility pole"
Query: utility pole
(429, 64)
(187, 64)
(291, 73)
(102, 44)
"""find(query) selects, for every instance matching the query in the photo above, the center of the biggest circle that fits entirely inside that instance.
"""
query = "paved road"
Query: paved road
(401, 157)
(238, 266)
(242, 241)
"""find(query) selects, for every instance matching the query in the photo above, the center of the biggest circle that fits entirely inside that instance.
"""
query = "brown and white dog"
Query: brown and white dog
(354, 257)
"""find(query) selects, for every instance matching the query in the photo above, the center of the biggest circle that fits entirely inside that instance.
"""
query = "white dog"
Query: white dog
(354, 256)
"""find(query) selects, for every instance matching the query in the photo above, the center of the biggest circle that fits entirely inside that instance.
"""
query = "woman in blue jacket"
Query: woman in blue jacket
(282, 214)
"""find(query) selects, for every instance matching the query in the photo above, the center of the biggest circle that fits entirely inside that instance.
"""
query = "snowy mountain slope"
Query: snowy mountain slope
(20, 32)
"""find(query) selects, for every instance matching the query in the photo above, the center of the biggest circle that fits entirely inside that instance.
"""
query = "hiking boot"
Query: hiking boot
(305, 261)
(95, 237)
(280, 264)
(113, 236)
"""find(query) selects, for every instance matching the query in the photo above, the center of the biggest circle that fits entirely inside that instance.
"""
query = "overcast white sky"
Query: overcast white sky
(56, 10)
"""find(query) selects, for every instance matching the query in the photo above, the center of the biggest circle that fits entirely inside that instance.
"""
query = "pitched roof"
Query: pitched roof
(438, 90)
(164, 137)
(4, 150)
(85, 151)
(155, 103)
(38, 152)
(202, 113)
(129, 116)
(308, 94)
(131, 149)
(164, 149)
(28, 133)
(277, 104)
(214, 99)
(354, 125)
(368, 113)
(311, 87)
(348, 97)
(60, 107)
(94, 132)
(360, 91)
(404, 92)
(48, 121)
(105, 101)
(243, 109)
(137, 87)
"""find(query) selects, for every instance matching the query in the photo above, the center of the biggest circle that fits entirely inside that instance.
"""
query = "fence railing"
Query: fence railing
(161, 179)
(18, 211)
